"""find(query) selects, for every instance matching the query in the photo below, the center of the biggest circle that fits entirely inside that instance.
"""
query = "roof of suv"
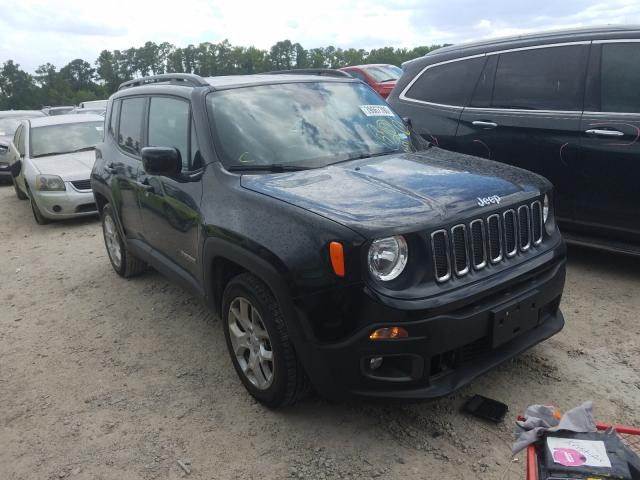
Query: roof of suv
(549, 37)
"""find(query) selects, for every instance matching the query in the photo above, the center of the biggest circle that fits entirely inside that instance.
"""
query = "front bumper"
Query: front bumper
(444, 350)
(70, 203)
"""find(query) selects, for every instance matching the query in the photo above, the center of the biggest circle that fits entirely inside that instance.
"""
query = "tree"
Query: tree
(17, 88)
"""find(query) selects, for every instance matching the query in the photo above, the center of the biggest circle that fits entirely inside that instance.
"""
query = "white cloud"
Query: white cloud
(33, 32)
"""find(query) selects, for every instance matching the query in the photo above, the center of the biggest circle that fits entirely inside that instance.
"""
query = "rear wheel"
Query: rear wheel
(19, 193)
(259, 343)
(125, 263)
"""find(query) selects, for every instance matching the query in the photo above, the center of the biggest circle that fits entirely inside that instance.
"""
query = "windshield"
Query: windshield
(8, 125)
(65, 138)
(384, 73)
(304, 124)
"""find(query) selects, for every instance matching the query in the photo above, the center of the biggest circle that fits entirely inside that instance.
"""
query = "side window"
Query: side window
(620, 78)
(113, 118)
(130, 128)
(196, 156)
(541, 79)
(448, 84)
(169, 125)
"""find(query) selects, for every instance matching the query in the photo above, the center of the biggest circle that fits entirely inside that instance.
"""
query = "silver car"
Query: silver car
(51, 160)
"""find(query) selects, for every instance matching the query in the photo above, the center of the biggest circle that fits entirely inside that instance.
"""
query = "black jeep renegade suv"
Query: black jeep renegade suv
(335, 245)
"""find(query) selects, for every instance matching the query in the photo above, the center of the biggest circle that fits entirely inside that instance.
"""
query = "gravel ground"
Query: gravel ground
(105, 378)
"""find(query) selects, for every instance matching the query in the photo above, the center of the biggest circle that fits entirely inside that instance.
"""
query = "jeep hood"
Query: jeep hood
(401, 192)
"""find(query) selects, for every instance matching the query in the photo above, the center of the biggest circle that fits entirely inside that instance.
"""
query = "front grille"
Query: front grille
(483, 240)
(82, 184)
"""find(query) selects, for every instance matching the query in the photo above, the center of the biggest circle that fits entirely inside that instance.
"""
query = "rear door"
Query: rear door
(526, 112)
(607, 173)
(126, 128)
(435, 98)
(170, 207)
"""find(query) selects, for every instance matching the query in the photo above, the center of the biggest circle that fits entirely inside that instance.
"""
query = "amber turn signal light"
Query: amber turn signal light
(336, 252)
(390, 333)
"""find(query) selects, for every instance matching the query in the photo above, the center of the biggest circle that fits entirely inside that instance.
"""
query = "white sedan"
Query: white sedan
(51, 160)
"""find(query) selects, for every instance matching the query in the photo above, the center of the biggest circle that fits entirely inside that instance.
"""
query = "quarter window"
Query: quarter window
(620, 77)
(541, 79)
(130, 128)
(18, 140)
(169, 125)
(448, 84)
(113, 119)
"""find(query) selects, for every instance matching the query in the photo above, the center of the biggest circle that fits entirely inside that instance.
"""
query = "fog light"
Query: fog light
(57, 208)
(375, 363)
(389, 333)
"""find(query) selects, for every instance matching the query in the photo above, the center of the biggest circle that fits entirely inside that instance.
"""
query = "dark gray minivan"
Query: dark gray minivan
(562, 104)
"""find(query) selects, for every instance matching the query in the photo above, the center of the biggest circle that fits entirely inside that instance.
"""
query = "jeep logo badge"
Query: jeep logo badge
(482, 202)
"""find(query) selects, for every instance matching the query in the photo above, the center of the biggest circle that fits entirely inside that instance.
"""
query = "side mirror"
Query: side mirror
(161, 161)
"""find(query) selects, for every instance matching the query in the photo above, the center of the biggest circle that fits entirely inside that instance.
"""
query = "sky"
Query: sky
(33, 32)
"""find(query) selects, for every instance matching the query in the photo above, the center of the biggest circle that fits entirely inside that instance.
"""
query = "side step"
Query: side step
(615, 246)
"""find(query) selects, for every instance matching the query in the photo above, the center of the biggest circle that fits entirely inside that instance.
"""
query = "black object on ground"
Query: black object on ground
(486, 408)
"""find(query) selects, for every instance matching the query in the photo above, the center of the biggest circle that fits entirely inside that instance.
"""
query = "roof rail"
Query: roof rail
(323, 72)
(186, 79)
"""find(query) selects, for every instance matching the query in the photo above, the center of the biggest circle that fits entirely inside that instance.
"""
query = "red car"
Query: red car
(381, 77)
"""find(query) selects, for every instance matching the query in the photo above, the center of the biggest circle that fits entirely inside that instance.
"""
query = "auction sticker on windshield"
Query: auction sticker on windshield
(376, 111)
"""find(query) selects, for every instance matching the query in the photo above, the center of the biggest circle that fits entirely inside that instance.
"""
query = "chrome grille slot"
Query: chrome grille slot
(82, 184)
(460, 255)
(480, 242)
(478, 251)
(536, 222)
(494, 230)
(524, 228)
(510, 245)
(440, 249)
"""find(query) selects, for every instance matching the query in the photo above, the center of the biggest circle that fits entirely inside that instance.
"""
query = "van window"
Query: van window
(541, 79)
(169, 125)
(448, 84)
(130, 128)
(620, 77)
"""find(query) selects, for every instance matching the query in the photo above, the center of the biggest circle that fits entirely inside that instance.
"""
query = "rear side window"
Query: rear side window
(620, 78)
(169, 125)
(447, 84)
(16, 137)
(20, 143)
(113, 119)
(130, 128)
(541, 79)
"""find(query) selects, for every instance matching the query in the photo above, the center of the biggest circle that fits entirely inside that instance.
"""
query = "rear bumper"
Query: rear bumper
(445, 351)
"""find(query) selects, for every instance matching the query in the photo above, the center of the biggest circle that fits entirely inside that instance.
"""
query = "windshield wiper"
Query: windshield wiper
(274, 167)
(49, 154)
(387, 80)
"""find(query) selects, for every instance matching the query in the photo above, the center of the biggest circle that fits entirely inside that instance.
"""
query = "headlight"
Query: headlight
(545, 209)
(49, 183)
(388, 257)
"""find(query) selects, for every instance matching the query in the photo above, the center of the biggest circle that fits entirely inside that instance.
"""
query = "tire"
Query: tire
(37, 215)
(19, 193)
(125, 263)
(288, 382)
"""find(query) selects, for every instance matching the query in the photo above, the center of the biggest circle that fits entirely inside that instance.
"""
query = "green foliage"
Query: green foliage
(79, 81)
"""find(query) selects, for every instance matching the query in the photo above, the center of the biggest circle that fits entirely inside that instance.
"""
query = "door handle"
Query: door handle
(144, 186)
(111, 168)
(484, 124)
(605, 133)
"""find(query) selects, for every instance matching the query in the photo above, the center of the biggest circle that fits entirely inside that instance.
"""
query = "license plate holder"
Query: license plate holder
(513, 319)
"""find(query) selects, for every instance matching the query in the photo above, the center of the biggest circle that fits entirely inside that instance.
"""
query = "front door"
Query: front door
(526, 112)
(127, 119)
(170, 207)
(607, 173)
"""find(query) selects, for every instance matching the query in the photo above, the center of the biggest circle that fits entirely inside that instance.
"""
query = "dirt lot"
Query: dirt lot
(104, 378)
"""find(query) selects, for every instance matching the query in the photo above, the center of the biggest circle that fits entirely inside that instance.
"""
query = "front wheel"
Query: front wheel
(19, 193)
(259, 343)
(125, 263)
